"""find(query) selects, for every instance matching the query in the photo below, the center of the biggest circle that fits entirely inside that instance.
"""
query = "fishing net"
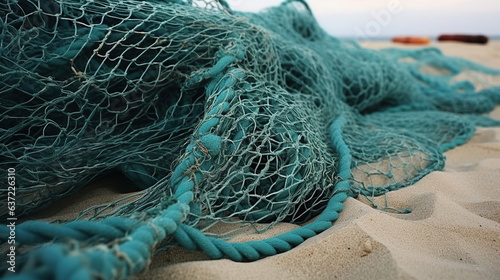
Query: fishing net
(213, 116)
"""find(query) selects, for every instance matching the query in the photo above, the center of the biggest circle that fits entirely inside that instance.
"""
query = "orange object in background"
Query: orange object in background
(477, 39)
(412, 40)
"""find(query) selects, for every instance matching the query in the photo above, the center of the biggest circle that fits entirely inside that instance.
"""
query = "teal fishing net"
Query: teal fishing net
(213, 117)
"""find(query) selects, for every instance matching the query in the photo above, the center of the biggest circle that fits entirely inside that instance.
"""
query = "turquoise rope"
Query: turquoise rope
(35, 232)
(193, 239)
(129, 257)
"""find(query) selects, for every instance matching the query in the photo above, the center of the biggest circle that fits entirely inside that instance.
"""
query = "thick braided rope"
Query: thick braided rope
(119, 259)
(36, 232)
(189, 172)
(185, 177)
(191, 238)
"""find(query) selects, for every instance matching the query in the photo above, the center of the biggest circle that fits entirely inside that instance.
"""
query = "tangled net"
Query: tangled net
(216, 116)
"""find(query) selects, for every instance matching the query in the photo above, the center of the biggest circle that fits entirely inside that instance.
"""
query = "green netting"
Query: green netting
(215, 116)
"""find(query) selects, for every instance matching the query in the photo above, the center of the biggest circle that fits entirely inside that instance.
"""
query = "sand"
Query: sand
(453, 231)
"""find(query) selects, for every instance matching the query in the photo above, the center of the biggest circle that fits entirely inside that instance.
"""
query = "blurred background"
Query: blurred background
(383, 19)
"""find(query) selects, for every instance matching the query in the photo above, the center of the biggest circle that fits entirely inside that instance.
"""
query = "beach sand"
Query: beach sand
(453, 231)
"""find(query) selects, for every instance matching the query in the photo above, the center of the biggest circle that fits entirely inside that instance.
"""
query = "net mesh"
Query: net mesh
(236, 107)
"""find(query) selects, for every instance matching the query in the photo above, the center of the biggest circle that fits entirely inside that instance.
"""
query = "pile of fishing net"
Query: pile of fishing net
(214, 116)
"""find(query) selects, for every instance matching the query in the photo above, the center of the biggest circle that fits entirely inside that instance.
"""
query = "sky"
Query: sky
(386, 18)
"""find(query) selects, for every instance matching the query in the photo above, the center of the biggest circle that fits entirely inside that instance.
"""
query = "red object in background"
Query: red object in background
(477, 39)
(412, 40)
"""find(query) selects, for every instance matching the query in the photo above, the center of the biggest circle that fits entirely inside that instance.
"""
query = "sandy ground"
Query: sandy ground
(453, 231)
